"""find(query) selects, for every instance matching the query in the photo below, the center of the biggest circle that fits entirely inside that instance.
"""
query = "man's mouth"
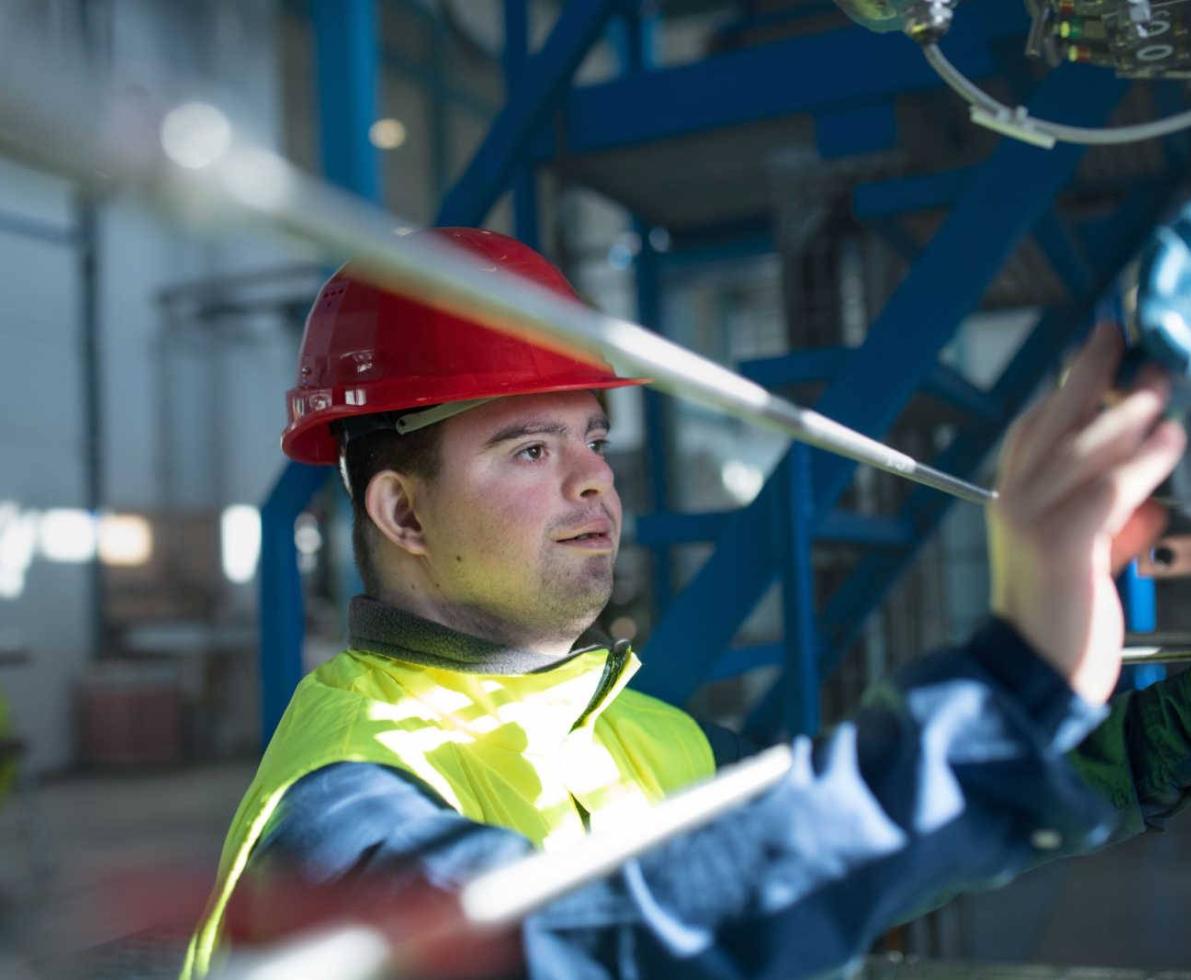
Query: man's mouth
(596, 537)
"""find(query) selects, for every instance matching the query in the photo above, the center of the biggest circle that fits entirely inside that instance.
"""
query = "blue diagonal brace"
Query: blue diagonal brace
(1064, 251)
(1005, 198)
(1012, 190)
(864, 590)
(543, 82)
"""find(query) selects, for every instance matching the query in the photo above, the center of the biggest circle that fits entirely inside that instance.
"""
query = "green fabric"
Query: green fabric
(1140, 757)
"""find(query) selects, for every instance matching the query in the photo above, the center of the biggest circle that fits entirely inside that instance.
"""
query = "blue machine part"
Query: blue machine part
(1159, 325)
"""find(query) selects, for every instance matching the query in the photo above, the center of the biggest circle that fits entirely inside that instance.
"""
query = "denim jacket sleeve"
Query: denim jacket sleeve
(952, 775)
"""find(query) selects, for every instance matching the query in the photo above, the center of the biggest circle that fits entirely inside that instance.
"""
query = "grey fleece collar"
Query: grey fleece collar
(380, 628)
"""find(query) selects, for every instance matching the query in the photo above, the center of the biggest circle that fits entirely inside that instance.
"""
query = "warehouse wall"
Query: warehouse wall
(43, 605)
(226, 404)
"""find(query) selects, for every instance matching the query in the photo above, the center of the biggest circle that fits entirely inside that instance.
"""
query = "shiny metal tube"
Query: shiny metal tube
(190, 159)
(1156, 655)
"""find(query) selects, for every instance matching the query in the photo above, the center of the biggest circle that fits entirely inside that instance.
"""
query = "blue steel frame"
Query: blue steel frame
(828, 72)
(1007, 194)
(541, 84)
(1109, 245)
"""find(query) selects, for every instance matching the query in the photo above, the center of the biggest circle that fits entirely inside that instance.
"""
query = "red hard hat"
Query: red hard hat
(367, 350)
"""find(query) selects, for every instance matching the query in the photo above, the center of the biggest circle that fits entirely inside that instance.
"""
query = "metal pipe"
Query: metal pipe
(1156, 655)
(191, 160)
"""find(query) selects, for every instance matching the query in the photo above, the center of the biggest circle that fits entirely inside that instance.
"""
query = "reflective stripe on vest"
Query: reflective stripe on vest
(499, 749)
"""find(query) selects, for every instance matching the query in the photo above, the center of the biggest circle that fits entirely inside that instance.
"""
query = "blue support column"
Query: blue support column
(524, 180)
(282, 607)
(800, 679)
(1139, 596)
(441, 106)
(346, 63)
(542, 84)
(346, 58)
(657, 419)
(632, 38)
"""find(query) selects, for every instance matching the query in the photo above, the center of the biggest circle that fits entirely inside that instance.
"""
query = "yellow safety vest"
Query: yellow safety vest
(500, 749)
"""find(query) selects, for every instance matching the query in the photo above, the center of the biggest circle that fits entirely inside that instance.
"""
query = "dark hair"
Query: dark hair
(365, 455)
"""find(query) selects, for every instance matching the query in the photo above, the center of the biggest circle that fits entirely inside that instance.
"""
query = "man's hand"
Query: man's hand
(1073, 508)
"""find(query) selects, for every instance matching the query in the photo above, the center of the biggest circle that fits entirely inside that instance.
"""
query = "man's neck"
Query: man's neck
(481, 623)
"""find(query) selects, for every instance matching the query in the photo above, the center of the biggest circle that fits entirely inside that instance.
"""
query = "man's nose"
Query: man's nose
(589, 476)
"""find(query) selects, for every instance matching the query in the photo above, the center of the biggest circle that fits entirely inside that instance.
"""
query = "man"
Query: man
(474, 718)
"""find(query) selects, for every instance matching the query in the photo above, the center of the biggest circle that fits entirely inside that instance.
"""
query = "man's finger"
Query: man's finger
(1104, 506)
(1111, 438)
(1080, 396)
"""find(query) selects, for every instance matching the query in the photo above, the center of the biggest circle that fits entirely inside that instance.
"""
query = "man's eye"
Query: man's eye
(533, 453)
(600, 446)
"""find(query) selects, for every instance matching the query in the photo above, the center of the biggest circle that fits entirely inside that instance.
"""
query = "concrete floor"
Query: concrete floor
(102, 875)
(87, 861)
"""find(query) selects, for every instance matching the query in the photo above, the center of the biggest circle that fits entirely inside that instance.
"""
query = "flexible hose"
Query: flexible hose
(1019, 118)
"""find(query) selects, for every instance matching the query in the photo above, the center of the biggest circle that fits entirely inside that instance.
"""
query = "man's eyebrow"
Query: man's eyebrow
(529, 427)
(535, 427)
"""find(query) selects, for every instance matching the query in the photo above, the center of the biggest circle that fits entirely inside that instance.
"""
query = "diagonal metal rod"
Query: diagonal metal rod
(190, 159)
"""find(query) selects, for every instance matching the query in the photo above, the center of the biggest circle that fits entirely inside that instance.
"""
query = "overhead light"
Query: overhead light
(195, 135)
(240, 541)
(307, 537)
(124, 539)
(18, 541)
(66, 534)
(387, 134)
(742, 480)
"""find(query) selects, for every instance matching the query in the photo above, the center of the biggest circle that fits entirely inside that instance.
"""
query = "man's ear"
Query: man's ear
(389, 500)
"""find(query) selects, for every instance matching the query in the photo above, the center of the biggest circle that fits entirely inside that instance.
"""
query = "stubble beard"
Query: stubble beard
(566, 596)
(572, 597)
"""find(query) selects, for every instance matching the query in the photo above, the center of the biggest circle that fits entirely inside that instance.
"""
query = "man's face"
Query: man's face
(522, 521)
